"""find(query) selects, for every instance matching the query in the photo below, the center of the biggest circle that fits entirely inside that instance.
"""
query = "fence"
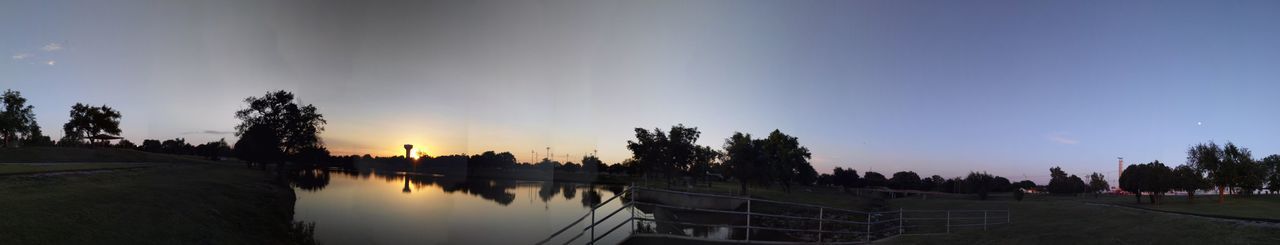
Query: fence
(766, 221)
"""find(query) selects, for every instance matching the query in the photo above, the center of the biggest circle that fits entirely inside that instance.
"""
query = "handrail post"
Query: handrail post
(632, 205)
(820, 224)
(948, 221)
(748, 220)
(1008, 217)
(984, 220)
(900, 228)
(867, 238)
(593, 225)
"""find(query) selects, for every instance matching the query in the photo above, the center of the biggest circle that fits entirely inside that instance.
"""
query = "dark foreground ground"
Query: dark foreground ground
(157, 199)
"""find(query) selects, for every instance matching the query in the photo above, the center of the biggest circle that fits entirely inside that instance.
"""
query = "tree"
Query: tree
(297, 126)
(1060, 183)
(37, 137)
(933, 183)
(259, 144)
(905, 180)
(786, 158)
(980, 183)
(1097, 183)
(1251, 176)
(1159, 180)
(1154, 178)
(649, 150)
(1131, 180)
(87, 121)
(1272, 165)
(16, 119)
(742, 157)
(846, 177)
(1189, 179)
(1210, 158)
(214, 150)
(871, 179)
(126, 144)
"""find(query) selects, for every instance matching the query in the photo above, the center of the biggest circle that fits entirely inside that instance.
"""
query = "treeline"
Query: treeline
(980, 183)
(1229, 169)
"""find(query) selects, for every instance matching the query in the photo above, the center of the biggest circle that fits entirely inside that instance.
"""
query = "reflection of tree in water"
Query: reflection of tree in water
(493, 190)
(548, 190)
(309, 179)
(590, 197)
(569, 190)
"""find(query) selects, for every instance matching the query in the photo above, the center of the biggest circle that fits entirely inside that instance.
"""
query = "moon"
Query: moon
(1199, 123)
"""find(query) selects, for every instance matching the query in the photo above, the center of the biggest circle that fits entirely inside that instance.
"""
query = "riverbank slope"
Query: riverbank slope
(176, 200)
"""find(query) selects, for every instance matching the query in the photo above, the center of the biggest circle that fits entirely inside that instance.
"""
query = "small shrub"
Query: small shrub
(1018, 195)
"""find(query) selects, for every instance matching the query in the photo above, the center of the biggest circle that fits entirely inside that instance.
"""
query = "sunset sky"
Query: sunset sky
(1008, 87)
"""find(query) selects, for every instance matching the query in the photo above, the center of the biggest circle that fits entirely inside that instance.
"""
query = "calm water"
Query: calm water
(350, 208)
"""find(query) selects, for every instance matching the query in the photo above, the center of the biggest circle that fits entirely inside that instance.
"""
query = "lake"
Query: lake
(372, 208)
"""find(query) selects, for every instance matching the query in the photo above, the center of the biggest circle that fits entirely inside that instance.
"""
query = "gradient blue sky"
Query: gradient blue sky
(938, 87)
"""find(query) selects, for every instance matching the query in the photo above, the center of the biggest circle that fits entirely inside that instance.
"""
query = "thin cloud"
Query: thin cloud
(213, 132)
(1061, 138)
(21, 56)
(51, 47)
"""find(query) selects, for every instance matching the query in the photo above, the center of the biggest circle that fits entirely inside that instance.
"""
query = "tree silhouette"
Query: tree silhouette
(259, 144)
(1097, 183)
(1271, 166)
(743, 159)
(980, 183)
(1210, 158)
(788, 160)
(649, 151)
(871, 179)
(87, 121)
(845, 177)
(1189, 179)
(905, 180)
(16, 118)
(297, 126)
(1236, 163)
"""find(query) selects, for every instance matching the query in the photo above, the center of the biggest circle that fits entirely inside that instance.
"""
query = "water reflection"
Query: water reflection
(351, 207)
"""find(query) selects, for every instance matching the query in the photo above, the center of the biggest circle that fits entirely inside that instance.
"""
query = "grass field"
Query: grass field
(1262, 206)
(28, 168)
(177, 200)
(1069, 220)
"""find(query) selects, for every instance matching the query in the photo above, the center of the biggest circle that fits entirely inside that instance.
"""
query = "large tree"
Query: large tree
(259, 144)
(788, 160)
(742, 157)
(1272, 166)
(871, 179)
(1098, 183)
(1210, 158)
(1236, 162)
(1189, 179)
(17, 119)
(87, 121)
(846, 178)
(905, 180)
(297, 126)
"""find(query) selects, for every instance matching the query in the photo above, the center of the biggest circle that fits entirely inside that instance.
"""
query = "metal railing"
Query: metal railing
(858, 226)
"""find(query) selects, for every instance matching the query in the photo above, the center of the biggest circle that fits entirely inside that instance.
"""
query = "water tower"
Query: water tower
(407, 147)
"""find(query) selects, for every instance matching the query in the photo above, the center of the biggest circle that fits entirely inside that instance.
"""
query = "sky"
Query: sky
(937, 87)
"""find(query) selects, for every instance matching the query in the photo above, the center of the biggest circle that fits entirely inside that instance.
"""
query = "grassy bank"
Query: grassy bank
(177, 200)
(1069, 220)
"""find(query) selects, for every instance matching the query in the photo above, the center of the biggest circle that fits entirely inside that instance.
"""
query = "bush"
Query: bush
(1017, 195)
